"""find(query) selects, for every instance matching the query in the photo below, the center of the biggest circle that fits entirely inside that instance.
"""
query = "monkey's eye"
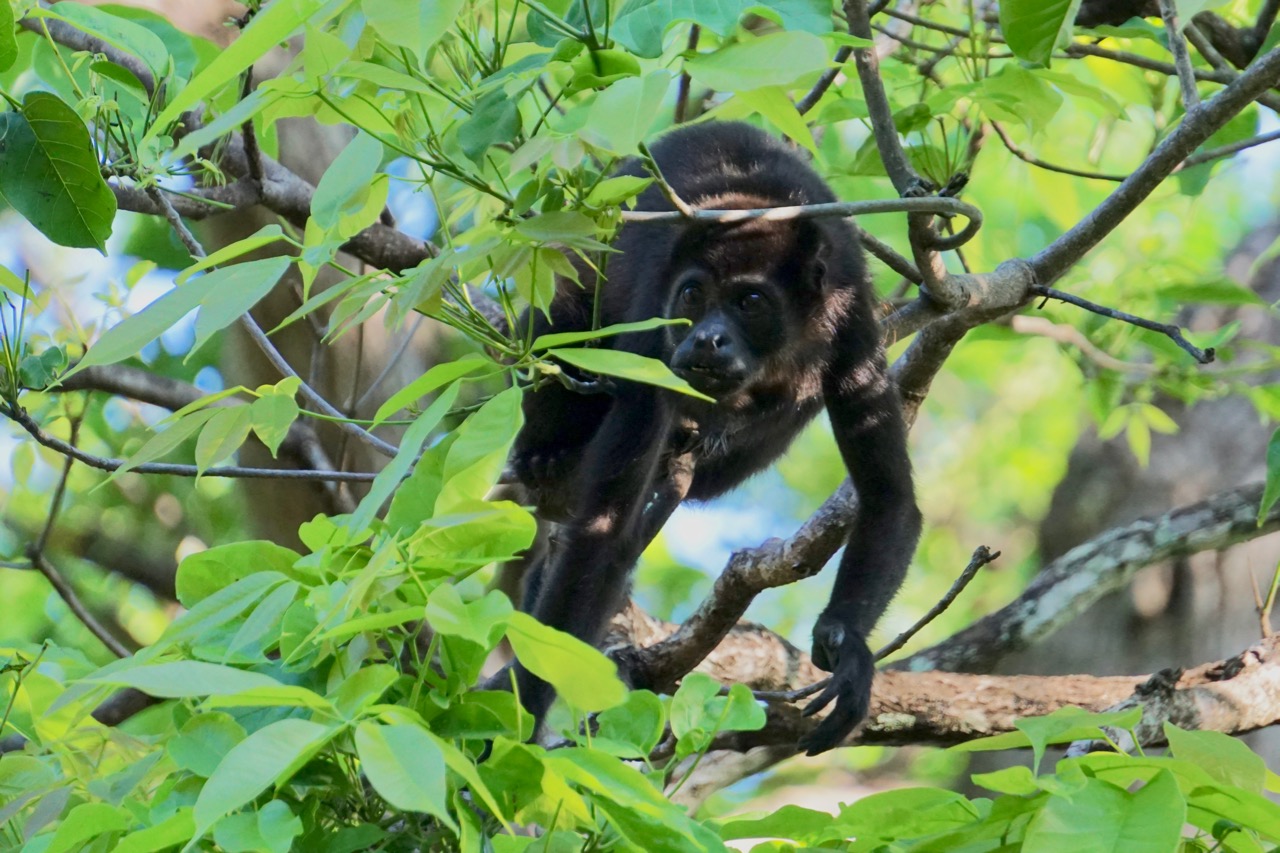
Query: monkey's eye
(691, 293)
(752, 300)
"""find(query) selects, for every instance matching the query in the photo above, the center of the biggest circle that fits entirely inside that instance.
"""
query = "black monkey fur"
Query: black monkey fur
(782, 324)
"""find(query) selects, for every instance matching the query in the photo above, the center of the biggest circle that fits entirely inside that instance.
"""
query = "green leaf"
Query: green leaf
(165, 442)
(8, 40)
(219, 609)
(38, 372)
(495, 119)
(481, 621)
(627, 365)
(415, 24)
(773, 103)
(434, 378)
(559, 339)
(1033, 27)
(171, 832)
(271, 26)
(390, 476)
(1070, 724)
(1218, 292)
(270, 755)
(632, 803)
(637, 724)
(480, 449)
(270, 829)
(362, 688)
(583, 677)
(49, 172)
(792, 822)
(202, 574)
(405, 766)
(1272, 490)
(203, 742)
(641, 24)
(86, 821)
(185, 678)
(271, 415)
(623, 115)
(1101, 818)
(345, 184)
(231, 291)
(616, 190)
(777, 59)
(118, 32)
(222, 436)
(1227, 759)
(264, 236)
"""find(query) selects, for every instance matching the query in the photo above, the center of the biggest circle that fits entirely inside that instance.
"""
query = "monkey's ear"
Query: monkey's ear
(813, 251)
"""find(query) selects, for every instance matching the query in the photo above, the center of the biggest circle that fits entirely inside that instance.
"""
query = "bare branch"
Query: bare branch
(103, 463)
(894, 158)
(68, 594)
(939, 205)
(1044, 164)
(1066, 334)
(982, 556)
(1181, 57)
(1174, 333)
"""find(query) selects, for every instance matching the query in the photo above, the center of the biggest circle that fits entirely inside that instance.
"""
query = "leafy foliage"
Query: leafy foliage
(302, 705)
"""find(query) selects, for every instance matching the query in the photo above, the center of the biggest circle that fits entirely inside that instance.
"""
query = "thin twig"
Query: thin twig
(1264, 611)
(251, 152)
(939, 205)
(682, 91)
(1204, 46)
(1043, 164)
(68, 595)
(982, 555)
(260, 338)
(885, 131)
(174, 219)
(1071, 336)
(1174, 333)
(1229, 149)
(1266, 18)
(683, 208)
(59, 492)
(887, 255)
(810, 100)
(103, 463)
(1181, 56)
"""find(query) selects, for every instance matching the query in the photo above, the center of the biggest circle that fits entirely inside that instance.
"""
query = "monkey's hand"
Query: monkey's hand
(843, 652)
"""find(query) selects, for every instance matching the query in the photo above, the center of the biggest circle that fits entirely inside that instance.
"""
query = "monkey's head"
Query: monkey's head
(749, 292)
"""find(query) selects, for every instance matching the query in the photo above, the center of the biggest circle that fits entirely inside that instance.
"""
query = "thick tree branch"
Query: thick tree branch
(1073, 582)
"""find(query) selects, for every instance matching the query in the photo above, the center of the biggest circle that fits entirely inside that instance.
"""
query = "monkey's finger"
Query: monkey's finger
(822, 700)
(838, 725)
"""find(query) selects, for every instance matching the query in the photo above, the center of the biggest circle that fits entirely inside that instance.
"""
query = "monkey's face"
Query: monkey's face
(737, 321)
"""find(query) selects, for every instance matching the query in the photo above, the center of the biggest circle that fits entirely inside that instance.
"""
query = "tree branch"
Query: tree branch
(103, 463)
(1073, 582)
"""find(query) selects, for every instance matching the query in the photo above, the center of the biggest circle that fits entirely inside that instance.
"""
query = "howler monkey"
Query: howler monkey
(782, 324)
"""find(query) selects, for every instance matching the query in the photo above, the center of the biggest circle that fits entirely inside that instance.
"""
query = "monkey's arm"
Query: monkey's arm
(867, 421)
(585, 582)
